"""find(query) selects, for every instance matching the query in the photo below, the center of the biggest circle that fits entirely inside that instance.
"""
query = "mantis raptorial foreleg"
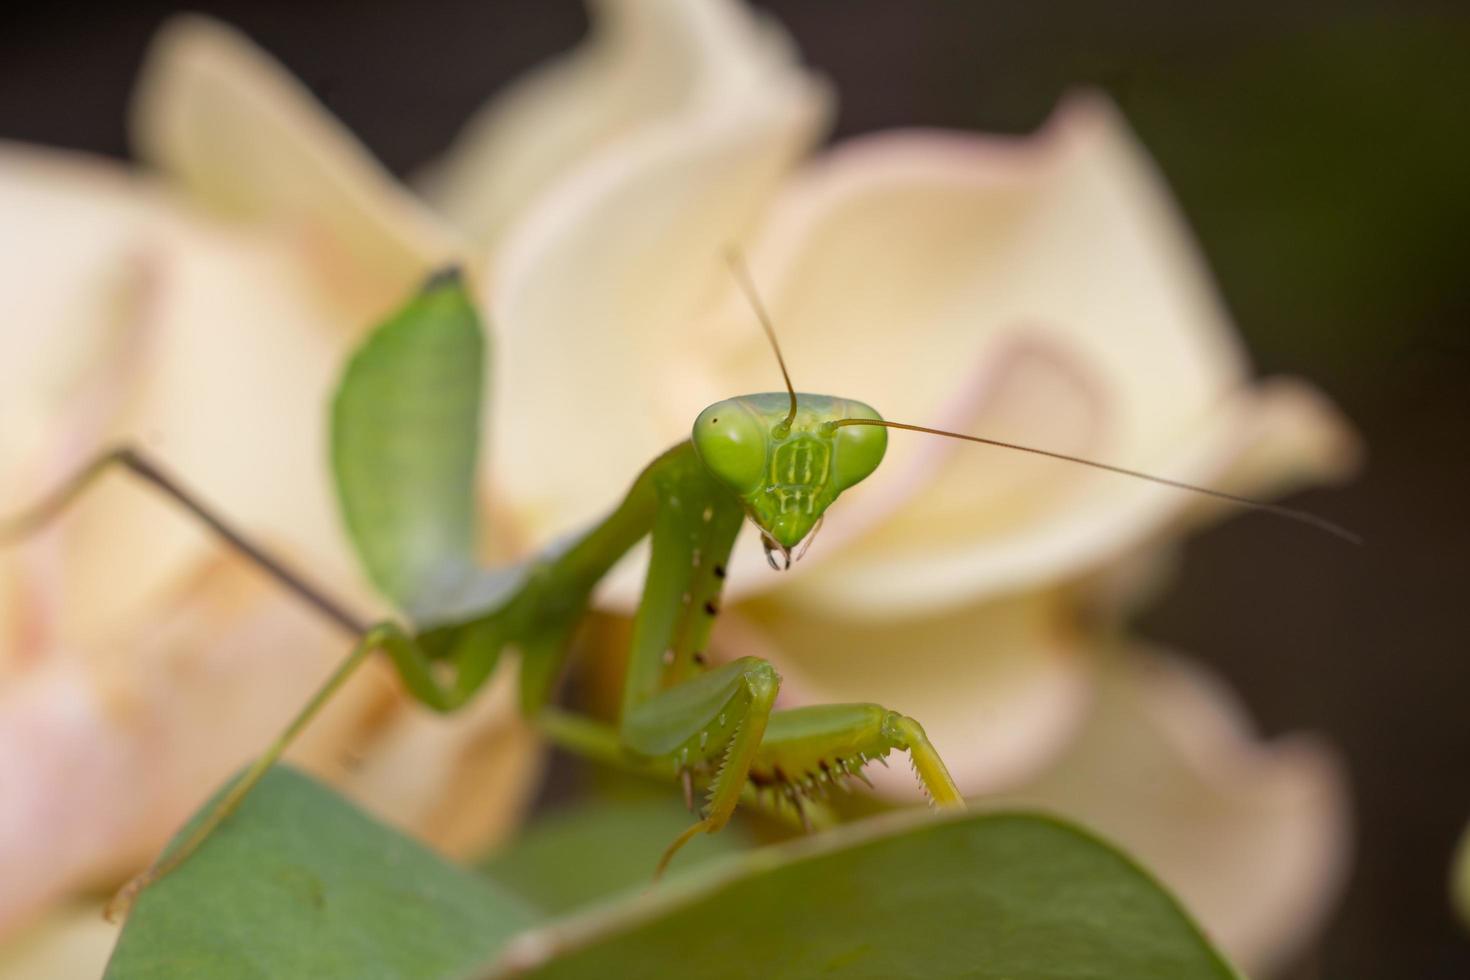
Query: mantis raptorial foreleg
(808, 749)
(779, 459)
(713, 722)
(140, 466)
(680, 716)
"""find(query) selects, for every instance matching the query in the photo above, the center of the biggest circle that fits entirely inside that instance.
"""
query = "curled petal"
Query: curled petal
(897, 261)
(611, 263)
(73, 288)
(136, 677)
(1253, 836)
(908, 270)
(1067, 521)
(208, 346)
(647, 64)
(225, 121)
(72, 285)
(231, 399)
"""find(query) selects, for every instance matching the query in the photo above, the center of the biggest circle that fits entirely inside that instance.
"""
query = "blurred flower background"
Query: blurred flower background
(1040, 287)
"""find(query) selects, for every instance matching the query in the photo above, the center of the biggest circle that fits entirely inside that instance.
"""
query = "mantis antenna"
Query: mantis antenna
(1290, 513)
(747, 286)
(742, 276)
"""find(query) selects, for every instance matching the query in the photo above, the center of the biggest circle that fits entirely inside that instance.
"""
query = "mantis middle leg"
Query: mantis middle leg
(699, 722)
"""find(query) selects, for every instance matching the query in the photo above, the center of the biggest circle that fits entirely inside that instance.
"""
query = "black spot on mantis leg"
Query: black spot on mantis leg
(704, 721)
(535, 617)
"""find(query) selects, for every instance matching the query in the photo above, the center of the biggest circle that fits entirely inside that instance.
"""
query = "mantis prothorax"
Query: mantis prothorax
(779, 460)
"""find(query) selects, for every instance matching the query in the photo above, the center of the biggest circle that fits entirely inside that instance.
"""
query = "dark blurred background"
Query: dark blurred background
(1321, 151)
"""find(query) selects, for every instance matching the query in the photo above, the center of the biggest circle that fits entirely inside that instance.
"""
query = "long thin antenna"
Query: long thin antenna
(742, 276)
(1301, 516)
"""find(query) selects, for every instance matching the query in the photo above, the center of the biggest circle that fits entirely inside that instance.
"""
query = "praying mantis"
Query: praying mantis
(779, 460)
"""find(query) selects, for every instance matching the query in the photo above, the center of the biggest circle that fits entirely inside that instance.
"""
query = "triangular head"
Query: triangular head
(787, 466)
(788, 455)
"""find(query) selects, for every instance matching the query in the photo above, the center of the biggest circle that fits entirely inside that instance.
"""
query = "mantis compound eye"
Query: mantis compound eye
(858, 449)
(732, 441)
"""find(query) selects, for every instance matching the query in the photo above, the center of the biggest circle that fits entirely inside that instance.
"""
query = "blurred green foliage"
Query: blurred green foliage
(571, 857)
(299, 883)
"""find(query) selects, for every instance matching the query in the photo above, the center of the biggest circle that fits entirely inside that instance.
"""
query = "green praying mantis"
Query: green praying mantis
(778, 459)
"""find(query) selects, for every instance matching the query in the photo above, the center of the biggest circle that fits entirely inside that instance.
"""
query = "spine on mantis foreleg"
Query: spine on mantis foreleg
(808, 750)
(537, 617)
(928, 766)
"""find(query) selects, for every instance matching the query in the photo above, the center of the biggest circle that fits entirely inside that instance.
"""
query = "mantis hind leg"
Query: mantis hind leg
(138, 464)
(412, 664)
(471, 658)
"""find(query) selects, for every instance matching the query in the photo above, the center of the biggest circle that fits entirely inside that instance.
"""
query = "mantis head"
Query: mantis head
(786, 458)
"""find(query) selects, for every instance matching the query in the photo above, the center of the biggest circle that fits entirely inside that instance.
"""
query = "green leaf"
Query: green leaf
(573, 858)
(995, 897)
(405, 433)
(299, 883)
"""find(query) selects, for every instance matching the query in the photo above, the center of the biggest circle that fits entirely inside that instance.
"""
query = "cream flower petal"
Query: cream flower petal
(645, 63)
(224, 361)
(611, 265)
(129, 671)
(1063, 243)
(71, 292)
(1027, 381)
(247, 140)
(998, 688)
(70, 288)
(63, 764)
(1063, 523)
(103, 756)
(897, 261)
(1252, 836)
(463, 781)
(74, 940)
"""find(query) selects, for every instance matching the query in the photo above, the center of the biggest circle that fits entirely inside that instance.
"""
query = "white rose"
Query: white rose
(1040, 290)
